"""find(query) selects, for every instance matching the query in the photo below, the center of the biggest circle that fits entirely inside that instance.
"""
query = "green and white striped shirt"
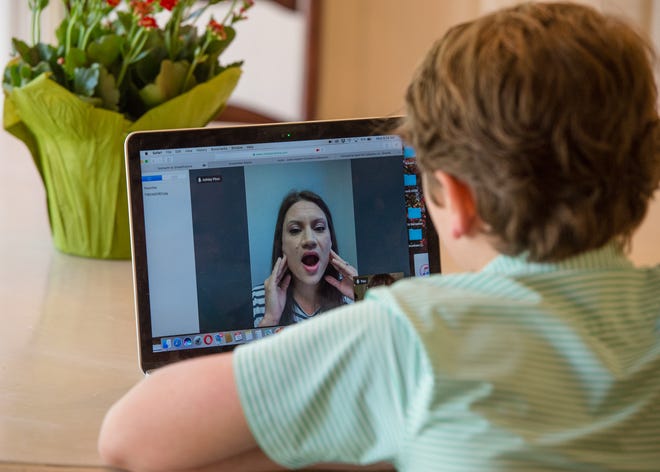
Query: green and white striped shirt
(533, 367)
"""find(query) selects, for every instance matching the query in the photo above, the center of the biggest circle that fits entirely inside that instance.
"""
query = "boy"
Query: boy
(536, 132)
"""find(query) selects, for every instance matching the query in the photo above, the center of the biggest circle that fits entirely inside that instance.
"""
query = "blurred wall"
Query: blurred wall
(369, 49)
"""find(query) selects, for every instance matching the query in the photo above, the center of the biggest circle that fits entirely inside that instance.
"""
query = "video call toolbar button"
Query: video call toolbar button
(414, 213)
(415, 234)
(409, 180)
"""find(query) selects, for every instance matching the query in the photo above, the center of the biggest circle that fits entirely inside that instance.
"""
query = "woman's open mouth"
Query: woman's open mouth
(310, 262)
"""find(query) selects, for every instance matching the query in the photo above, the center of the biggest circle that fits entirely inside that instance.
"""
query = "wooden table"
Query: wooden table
(67, 344)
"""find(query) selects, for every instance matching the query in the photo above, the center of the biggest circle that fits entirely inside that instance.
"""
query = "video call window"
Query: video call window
(380, 228)
(234, 214)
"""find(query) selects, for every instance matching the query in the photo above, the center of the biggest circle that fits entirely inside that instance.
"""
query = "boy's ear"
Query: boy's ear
(460, 203)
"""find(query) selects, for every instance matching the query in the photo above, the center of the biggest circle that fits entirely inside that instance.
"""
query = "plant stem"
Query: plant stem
(196, 61)
(230, 12)
(36, 7)
(36, 30)
(134, 50)
(175, 19)
(88, 33)
(69, 30)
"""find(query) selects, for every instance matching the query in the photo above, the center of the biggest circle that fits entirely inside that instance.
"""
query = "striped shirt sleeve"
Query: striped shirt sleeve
(331, 389)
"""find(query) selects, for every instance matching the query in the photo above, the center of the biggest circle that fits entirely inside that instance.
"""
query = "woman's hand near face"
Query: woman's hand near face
(275, 288)
(347, 271)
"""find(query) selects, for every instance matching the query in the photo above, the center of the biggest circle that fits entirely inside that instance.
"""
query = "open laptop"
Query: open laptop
(203, 206)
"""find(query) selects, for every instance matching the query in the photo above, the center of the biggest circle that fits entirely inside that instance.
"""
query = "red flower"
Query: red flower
(113, 3)
(218, 29)
(148, 22)
(168, 4)
(142, 7)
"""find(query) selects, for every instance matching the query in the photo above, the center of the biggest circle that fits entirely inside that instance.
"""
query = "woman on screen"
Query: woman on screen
(308, 276)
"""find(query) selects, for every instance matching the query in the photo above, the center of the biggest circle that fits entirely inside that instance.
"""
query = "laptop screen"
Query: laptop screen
(204, 218)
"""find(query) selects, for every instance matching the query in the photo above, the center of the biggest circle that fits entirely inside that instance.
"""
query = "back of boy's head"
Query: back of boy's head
(548, 113)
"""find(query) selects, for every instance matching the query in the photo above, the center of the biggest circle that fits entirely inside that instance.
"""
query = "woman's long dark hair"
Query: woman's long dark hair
(330, 296)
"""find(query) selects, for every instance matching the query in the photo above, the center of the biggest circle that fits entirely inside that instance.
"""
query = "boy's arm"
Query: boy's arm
(184, 416)
(187, 417)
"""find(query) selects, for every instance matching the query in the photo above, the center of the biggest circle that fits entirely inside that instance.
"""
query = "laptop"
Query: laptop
(203, 209)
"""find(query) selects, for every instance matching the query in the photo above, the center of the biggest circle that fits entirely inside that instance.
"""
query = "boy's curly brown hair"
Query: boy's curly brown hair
(548, 112)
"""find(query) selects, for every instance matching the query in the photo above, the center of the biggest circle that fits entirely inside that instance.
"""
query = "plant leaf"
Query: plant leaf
(105, 50)
(218, 46)
(75, 59)
(107, 90)
(85, 80)
(12, 75)
(194, 108)
(123, 22)
(167, 85)
(41, 68)
(46, 52)
(28, 54)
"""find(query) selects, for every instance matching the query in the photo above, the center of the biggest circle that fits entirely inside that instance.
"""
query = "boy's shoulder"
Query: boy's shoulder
(460, 289)
(508, 287)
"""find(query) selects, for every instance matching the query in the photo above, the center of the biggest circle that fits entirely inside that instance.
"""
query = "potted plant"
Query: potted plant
(117, 66)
